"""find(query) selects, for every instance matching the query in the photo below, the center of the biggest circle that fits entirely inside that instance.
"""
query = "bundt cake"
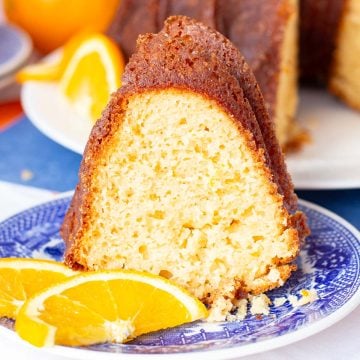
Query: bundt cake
(265, 33)
(183, 175)
(345, 69)
(330, 46)
(317, 38)
(136, 17)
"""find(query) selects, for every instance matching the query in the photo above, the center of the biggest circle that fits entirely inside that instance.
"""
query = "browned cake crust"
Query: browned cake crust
(319, 23)
(175, 58)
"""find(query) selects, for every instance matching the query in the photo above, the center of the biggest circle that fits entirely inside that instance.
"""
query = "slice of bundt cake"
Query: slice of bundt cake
(183, 176)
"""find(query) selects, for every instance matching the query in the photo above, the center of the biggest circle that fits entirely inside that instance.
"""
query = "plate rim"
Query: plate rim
(215, 354)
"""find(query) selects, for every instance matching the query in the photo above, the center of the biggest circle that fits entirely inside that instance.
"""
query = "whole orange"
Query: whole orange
(51, 23)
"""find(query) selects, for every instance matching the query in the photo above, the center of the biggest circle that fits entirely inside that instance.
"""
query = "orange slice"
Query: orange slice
(52, 68)
(92, 73)
(40, 72)
(22, 278)
(108, 306)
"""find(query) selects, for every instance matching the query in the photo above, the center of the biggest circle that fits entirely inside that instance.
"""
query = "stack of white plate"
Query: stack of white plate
(15, 51)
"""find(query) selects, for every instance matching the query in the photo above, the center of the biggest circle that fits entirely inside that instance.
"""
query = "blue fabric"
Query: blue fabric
(345, 203)
(23, 147)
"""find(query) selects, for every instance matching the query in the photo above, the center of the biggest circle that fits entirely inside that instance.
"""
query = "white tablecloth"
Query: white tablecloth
(339, 342)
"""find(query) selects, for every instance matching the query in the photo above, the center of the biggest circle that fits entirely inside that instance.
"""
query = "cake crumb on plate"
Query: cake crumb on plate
(260, 305)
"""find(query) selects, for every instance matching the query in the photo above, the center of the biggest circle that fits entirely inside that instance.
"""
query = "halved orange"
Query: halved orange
(22, 278)
(52, 67)
(107, 306)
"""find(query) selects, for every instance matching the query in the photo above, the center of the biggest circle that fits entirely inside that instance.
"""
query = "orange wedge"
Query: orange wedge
(40, 72)
(22, 278)
(52, 69)
(108, 306)
(89, 69)
(92, 73)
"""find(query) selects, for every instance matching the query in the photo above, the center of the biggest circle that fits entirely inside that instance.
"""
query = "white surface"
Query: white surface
(337, 342)
(331, 160)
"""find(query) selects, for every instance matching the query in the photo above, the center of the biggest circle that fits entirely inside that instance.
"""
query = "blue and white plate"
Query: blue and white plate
(328, 263)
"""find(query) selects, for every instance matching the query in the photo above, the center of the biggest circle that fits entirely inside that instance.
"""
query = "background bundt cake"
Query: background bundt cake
(183, 176)
(345, 68)
(265, 31)
(319, 23)
(330, 46)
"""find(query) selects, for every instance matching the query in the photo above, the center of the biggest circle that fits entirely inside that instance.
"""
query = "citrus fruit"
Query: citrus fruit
(39, 72)
(53, 66)
(93, 71)
(21, 278)
(107, 306)
(51, 23)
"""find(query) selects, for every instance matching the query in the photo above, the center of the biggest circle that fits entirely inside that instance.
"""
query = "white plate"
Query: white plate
(331, 161)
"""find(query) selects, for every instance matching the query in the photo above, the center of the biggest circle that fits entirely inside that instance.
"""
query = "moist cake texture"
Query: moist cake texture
(183, 175)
